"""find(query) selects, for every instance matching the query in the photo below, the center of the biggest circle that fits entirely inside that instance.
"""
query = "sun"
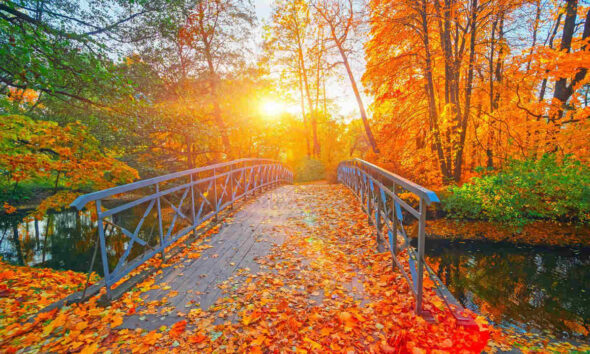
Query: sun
(272, 108)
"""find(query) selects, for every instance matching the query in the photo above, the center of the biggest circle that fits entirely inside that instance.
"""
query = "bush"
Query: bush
(309, 170)
(526, 190)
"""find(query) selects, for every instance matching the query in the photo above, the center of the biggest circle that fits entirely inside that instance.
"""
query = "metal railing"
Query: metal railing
(379, 192)
(174, 204)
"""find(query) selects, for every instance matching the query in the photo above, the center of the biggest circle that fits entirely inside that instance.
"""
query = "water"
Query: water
(62, 240)
(533, 289)
(66, 240)
(530, 289)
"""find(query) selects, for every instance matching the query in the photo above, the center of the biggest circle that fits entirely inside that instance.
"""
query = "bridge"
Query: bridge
(202, 233)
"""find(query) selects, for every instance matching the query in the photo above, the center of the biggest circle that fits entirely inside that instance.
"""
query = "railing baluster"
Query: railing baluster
(103, 247)
(394, 220)
(421, 245)
(161, 229)
(378, 224)
(231, 185)
(215, 194)
(193, 201)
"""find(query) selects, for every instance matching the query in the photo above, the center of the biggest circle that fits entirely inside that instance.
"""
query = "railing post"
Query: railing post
(162, 244)
(421, 242)
(378, 224)
(231, 185)
(393, 206)
(369, 200)
(193, 202)
(103, 248)
(215, 193)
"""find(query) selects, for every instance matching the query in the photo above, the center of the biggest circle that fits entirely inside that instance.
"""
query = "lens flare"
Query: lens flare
(270, 107)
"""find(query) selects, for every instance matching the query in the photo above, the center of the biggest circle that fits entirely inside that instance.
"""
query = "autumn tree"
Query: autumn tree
(565, 86)
(289, 39)
(69, 156)
(218, 30)
(340, 17)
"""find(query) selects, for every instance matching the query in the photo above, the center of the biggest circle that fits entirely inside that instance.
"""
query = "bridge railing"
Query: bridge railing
(145, 217)
(380, 193)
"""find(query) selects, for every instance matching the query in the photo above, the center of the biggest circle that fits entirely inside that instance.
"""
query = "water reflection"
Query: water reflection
(526, 288)
(66, 240)
(62, 240)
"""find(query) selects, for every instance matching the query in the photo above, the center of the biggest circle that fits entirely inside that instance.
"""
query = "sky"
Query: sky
(339, 90)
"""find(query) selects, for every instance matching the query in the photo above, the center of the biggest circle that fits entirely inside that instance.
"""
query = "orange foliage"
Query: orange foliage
(43, 150)
(26, 290)
(490, 101)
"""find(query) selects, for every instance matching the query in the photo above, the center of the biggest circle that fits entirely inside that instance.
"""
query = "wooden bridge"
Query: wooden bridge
(206, 232)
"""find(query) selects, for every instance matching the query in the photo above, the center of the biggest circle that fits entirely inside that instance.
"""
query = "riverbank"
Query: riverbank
(537, 233)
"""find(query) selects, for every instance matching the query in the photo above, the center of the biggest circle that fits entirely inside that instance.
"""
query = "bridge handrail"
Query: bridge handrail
(378, 191)
(428, 195)
(222, 185)
(82, 200)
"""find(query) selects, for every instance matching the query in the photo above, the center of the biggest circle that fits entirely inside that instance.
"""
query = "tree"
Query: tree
(217, 31)
(339, 16)
(288, 38)
(565, 88)
(32, 150)
(60, 48)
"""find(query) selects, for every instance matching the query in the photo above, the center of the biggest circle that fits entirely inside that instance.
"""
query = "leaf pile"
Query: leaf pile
(25, 290)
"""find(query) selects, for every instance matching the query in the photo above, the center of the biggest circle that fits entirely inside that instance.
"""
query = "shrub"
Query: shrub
(546, 188)
(309, 170)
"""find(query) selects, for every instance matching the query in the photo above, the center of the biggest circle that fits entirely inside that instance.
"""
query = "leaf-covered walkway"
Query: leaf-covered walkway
(294, 270)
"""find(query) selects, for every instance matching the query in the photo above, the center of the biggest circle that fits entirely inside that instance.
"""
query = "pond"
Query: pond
(532, 289)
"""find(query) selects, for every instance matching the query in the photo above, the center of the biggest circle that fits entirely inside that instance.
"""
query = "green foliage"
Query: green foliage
(56, 48)
(308, 170)
(546, 188)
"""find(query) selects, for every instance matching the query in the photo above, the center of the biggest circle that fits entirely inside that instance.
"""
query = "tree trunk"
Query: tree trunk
(550, 39)
(432, 114)
(189, 153)
(561, 90)
(468, 90)
(535, 30)
(213, 84)
(359, 100)
(305, 122)
(309, 103)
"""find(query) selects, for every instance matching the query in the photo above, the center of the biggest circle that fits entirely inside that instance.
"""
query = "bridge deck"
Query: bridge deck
(214, 268)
